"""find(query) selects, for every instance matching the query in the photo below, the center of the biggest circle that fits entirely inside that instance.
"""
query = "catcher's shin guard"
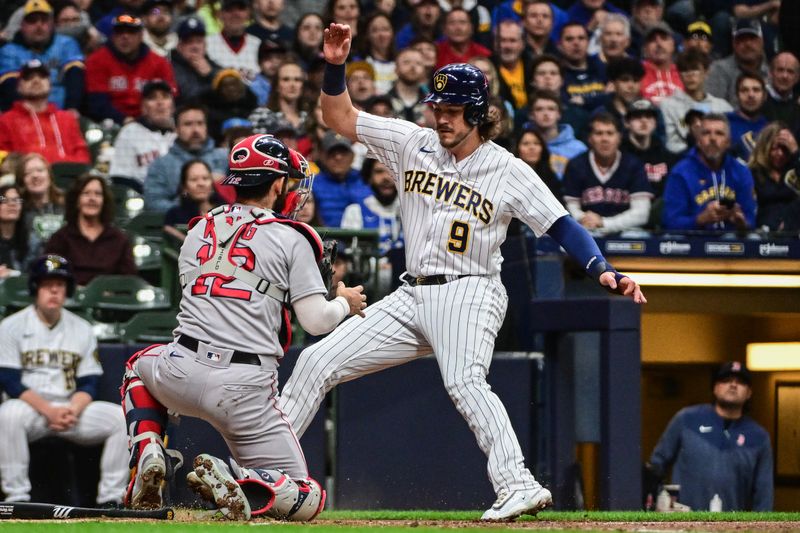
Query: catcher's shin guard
(295, 500)
(143, 413)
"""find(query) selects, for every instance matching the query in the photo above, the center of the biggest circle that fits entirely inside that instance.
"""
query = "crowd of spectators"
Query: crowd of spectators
(637, 113)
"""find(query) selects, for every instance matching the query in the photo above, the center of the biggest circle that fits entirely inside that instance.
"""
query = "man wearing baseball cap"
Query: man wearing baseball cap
(698, 35)
(716, 450)
(194, 70)
(117, 72)
(35, 125)
(748, 56)
(147, 138)
(36, 39)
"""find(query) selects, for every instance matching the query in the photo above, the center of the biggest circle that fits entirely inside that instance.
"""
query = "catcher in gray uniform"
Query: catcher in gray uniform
(240, 267)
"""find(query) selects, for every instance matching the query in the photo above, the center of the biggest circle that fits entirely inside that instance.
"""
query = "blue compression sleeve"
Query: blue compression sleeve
(11, 381)
(581, 246)
(333, 79)
(87, 384)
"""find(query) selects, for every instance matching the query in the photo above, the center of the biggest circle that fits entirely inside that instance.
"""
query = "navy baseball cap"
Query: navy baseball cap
(127, 21)
(642, 107)
(733, 369)
(747, 27)
(31, 66)
(155, 85)
(191, 26)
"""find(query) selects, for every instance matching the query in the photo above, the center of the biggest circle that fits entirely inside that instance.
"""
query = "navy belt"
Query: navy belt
(438, 279)
(243, 358)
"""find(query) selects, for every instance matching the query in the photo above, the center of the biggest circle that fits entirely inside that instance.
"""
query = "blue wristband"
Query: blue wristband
(333, 79)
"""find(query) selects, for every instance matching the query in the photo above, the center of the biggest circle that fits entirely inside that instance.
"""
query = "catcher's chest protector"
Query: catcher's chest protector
(227, 227)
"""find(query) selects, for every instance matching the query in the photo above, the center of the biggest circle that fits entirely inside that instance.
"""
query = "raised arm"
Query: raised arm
(337, 108)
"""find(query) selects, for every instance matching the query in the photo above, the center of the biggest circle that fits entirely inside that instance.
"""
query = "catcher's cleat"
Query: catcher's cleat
(144, 490)
(212, 480)
(510, 505)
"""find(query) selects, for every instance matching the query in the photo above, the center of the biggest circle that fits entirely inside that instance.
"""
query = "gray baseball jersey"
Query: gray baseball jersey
(227, 310)
(455, 215)
(51, 360)
(226, 314)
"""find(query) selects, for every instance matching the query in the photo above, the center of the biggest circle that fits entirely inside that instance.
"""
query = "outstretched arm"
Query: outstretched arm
(580, 245)
(337, 108)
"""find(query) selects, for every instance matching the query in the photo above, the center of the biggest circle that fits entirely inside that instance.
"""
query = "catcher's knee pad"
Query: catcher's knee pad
(295, 500)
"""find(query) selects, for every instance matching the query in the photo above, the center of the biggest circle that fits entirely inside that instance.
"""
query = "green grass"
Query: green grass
(328, 522)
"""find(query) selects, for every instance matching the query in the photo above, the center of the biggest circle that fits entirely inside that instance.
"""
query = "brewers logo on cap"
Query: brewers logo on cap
(439, 81)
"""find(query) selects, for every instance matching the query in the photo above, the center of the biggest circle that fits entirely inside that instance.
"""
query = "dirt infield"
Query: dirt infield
(194, 516)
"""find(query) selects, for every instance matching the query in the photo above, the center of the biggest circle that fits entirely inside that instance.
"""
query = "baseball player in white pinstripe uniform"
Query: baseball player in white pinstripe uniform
(49, 368)
(458, 191)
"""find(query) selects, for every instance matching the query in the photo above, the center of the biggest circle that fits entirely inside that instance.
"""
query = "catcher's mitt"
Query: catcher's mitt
(326, 266)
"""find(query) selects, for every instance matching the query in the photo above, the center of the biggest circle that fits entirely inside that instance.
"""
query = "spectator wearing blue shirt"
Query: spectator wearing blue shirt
(716, 450)
(545, 115)
(337, 185)
(518, 12)
(584, 75)
(425, 22)
(710, 189)
(36, 39)
(589, 13)
(747, 119)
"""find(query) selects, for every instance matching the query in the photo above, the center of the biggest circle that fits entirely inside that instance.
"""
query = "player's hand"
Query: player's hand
(627, 287)
(59, 417)
(355, 297)
(336, 43)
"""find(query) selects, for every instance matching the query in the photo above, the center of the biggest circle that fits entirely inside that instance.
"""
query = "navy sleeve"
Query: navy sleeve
(73, 84)
(8, 92)
(11, 381)
(87, 384)
(669, 444)
(99, 106)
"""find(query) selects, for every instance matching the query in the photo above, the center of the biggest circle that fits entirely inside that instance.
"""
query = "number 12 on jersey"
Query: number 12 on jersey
(459, 237)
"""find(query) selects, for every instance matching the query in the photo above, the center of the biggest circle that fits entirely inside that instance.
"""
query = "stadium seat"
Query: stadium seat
(128, 201)
(14, 295)
(118, 298)
(64, 173)
(147, 256)
(149, 327)
(147, 224)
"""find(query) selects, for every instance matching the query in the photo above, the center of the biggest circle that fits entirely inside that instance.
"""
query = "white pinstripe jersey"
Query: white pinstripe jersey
(228, 312)
(455, 215)
(51, 359)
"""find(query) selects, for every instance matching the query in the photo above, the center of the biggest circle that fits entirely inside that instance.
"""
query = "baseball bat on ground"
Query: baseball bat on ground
(49, 511)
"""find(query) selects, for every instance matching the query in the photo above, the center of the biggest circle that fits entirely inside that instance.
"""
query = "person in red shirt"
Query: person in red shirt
(35, 125)
(661, 77)
(116, 73)
(458, 46)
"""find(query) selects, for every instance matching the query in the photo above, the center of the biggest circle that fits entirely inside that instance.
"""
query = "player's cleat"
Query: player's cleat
(144, 491)
(213, 481)
(510, 505)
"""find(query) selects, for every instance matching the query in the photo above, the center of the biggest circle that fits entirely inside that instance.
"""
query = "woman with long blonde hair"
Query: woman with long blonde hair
(773, 161)
(42, 201)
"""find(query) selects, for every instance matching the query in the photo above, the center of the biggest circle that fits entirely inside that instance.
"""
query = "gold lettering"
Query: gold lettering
(487, 209)
(427, 189)
(445, 189)
(461, 196)
(473, 203)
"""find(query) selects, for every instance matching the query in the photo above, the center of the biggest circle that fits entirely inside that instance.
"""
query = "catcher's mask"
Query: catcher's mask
(262, 158)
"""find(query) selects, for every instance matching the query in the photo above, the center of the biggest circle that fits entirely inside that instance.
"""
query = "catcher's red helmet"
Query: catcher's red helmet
(260, 159)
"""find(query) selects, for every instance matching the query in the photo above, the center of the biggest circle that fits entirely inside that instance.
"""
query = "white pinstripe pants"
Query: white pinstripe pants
(100, 421)
(458, 322)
